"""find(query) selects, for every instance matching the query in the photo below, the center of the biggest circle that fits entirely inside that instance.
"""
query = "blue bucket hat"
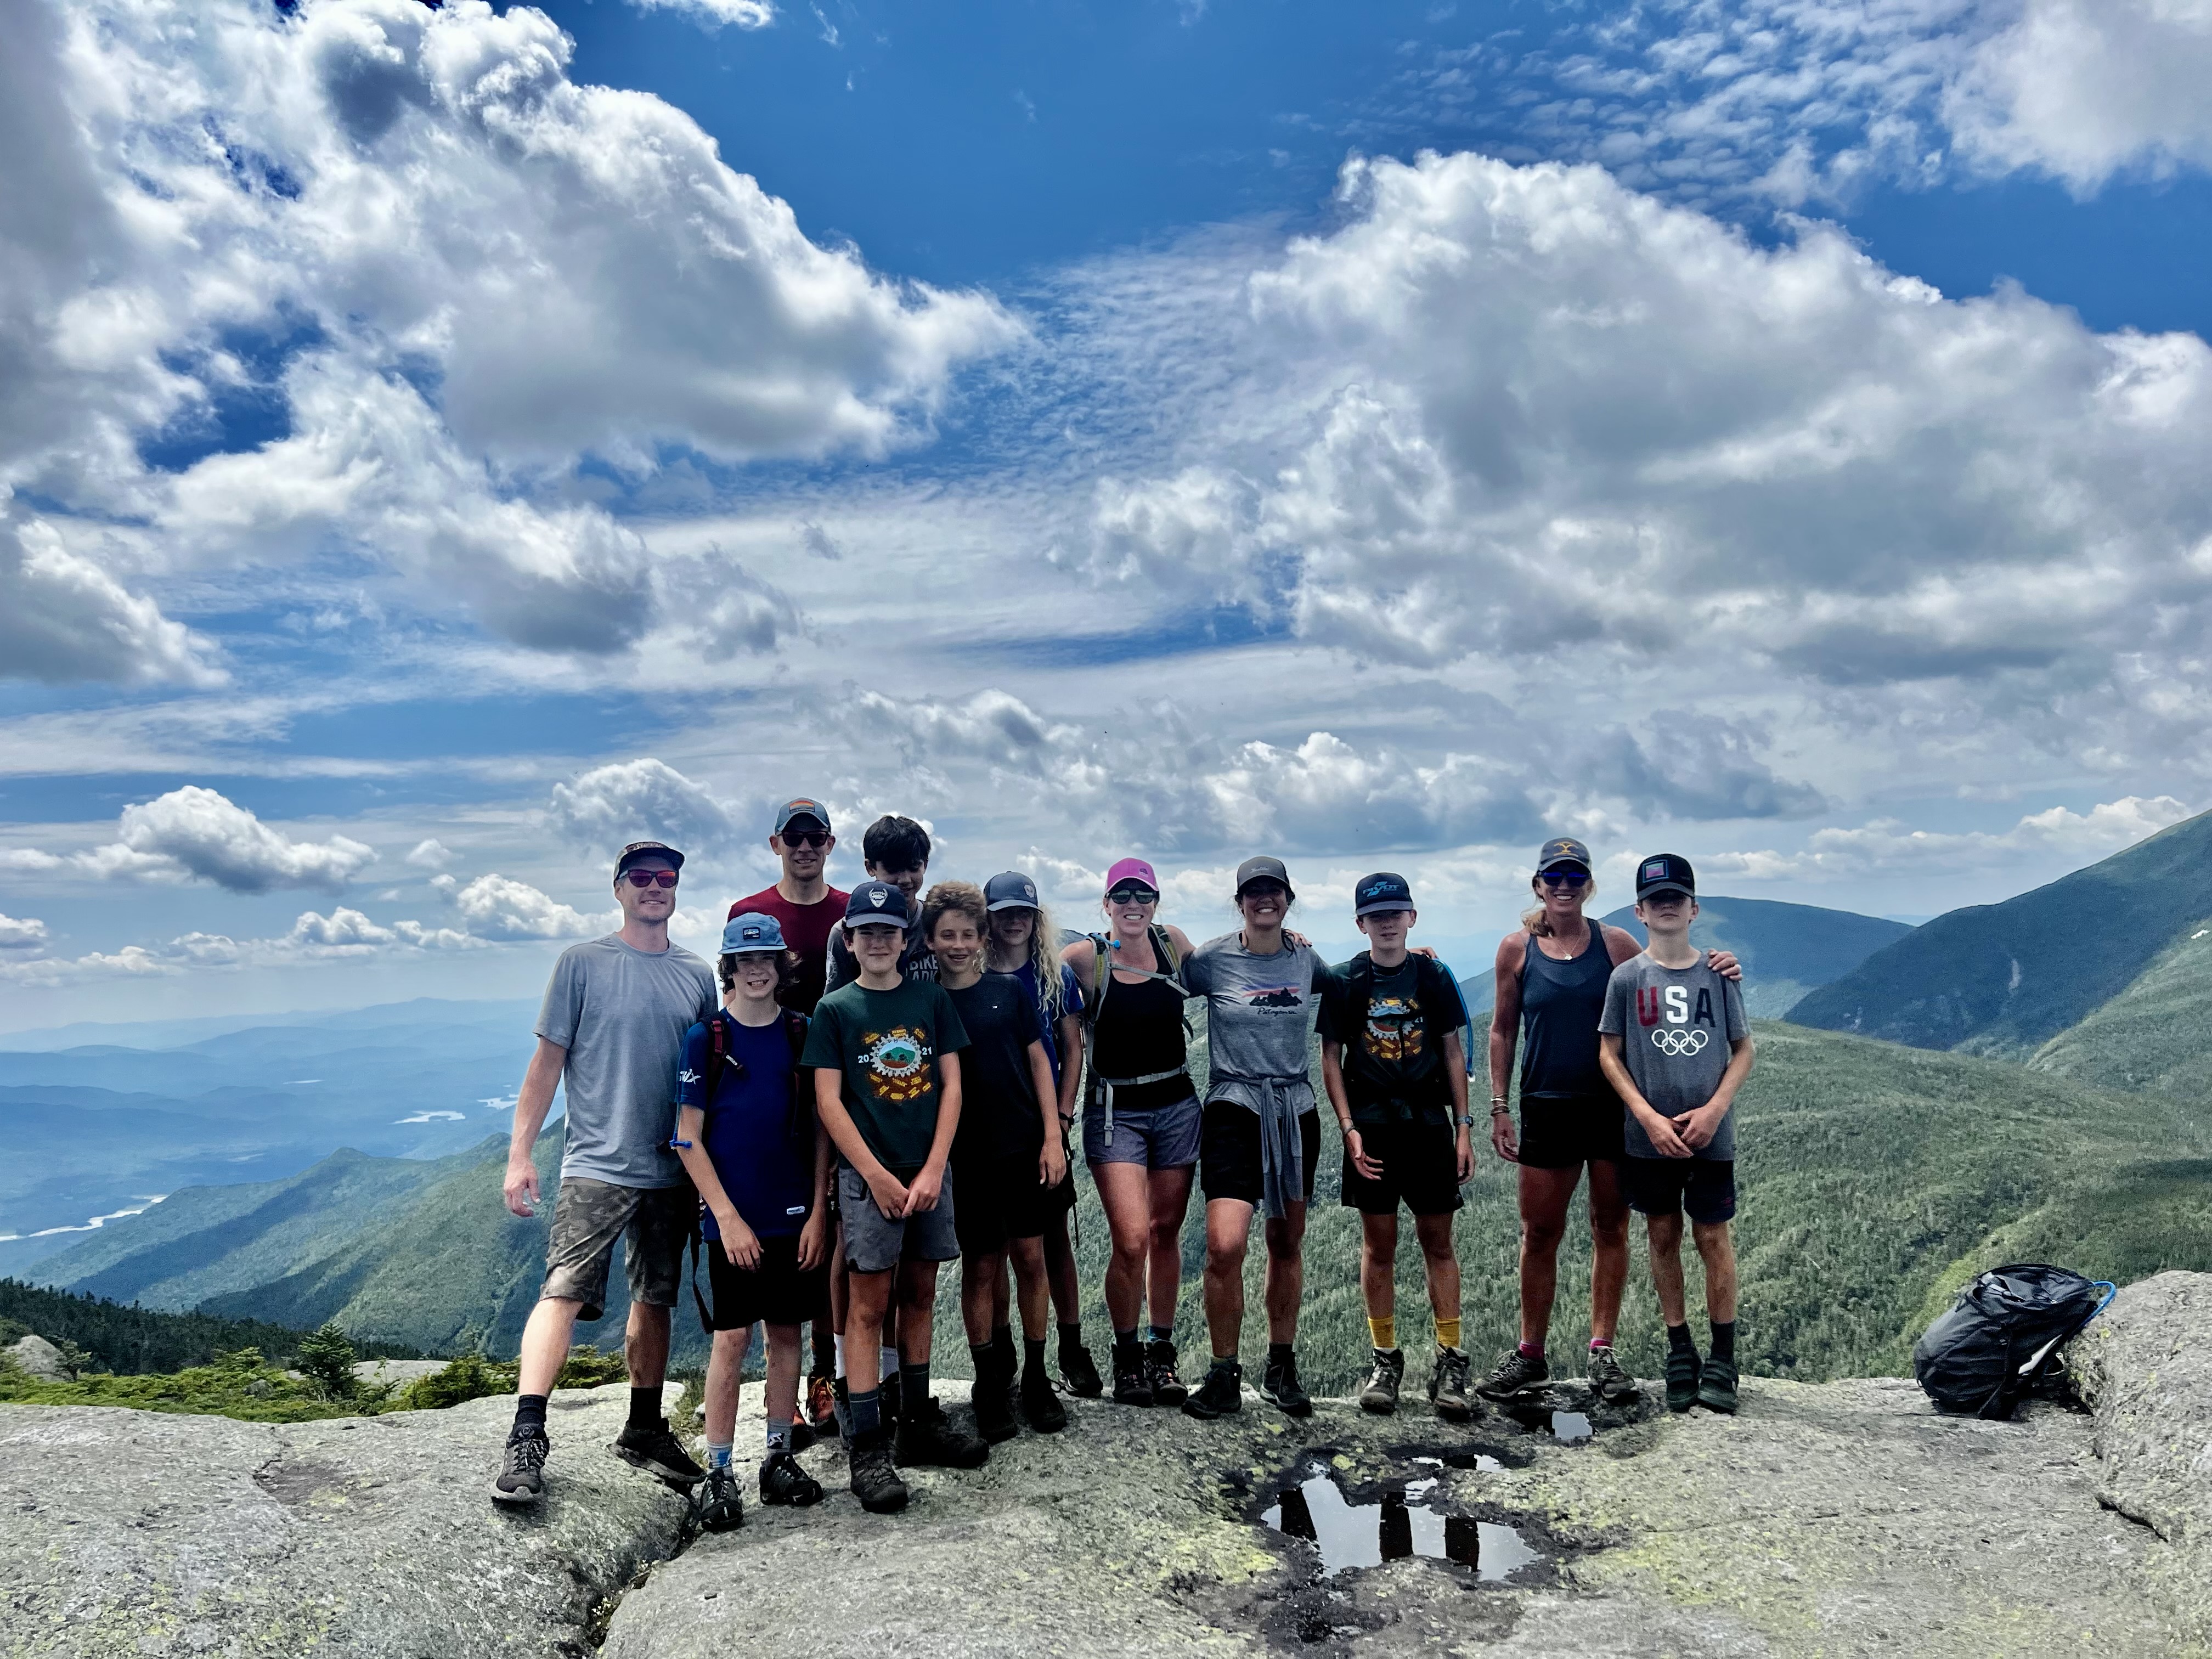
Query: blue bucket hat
(752, 933)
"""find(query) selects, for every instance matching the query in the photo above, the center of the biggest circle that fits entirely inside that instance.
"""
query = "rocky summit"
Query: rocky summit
(1837, 1518)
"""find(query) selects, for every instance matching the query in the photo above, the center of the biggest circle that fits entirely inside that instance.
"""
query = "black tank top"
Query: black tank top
(1140, 1031)
(1560, 1004)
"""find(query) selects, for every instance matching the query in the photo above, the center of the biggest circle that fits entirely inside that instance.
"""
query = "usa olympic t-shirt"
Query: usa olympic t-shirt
(1675, 1025)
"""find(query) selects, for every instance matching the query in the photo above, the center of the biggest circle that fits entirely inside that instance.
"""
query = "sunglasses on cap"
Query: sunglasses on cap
(1130, 893)
(650, 877)
(1569, 879)
(816, 839)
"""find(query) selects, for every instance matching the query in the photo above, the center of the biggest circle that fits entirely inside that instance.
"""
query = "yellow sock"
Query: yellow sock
(1383, 1331)
(1447, 1333)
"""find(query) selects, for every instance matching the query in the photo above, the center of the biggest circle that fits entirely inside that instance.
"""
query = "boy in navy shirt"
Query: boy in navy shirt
(748, 1136)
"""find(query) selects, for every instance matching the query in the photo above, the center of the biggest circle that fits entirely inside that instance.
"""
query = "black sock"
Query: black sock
(1678, 1339)
(1163, 1333)
(1033, 1354)
(985, 1358)
(1277, 1352)
(529, 1412)
(645, 1406)
(1125, 1341)
(914, 1386)
(1221, 1364)
(1002, 1337)
(1724, 1341)
(1071, 1334)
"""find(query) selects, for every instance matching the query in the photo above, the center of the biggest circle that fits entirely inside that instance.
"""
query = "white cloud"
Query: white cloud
(1886, 846)
(643, 799)
(198, 834)
(27, 934)
(736, 13)
(495, 907)
(62, 617)
(430, 853)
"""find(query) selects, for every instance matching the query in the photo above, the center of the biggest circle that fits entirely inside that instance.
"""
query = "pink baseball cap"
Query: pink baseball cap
(1132, 870)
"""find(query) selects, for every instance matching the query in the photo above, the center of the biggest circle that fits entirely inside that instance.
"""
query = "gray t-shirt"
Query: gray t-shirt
(622, 1014)
(1675, 1025)
(1259, 1011)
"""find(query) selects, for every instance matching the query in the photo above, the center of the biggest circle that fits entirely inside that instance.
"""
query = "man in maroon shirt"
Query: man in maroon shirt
(807, 906)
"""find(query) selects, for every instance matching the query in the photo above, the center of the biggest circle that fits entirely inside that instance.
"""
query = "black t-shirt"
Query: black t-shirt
(998, 1114)
(1392, 1023)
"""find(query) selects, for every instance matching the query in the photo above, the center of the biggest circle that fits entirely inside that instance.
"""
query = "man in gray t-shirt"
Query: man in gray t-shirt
(610, 1033)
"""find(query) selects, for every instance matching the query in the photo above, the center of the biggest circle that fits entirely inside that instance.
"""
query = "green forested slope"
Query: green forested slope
(2155, 1034)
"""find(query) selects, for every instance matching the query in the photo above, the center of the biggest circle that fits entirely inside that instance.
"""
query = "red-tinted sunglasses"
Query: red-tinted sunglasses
(650, 877)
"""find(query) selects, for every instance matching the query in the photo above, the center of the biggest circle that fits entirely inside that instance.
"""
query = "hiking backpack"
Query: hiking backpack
(1999, 1341)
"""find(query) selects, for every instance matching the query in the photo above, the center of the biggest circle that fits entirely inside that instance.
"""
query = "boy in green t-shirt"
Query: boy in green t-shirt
(887, 1088)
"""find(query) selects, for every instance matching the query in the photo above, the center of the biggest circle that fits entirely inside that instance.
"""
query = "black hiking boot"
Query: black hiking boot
(1040, 1402)
(1221, 1395)
(992, 1398)
(522, 1478)
(1080, 1372)
(875, 1482)
(1132, 1383)
(1684, 1372)
(1448, 1385)
(1514, 1374)
(1611, 1385)
(802, 1436)
(1168, 1389)
(1381, 1393)
(1716, 1387)
(782, 1481)
(658, 1453)
(1280, 1387)
(927, 1439)
(719, 1509)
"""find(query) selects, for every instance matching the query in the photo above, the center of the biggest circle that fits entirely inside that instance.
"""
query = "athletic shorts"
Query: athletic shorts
(875, 1242)
(1420, 1170)
(1559, 1132)
(1229, 1160)
(653, 1224)
(999, 1200)
(1162, 1138)
(1705, 1187)
(777, 1292)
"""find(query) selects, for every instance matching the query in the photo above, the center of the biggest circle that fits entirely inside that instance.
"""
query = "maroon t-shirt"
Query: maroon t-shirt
(806, 929)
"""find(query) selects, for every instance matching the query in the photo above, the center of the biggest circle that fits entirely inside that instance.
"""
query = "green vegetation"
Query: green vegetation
(2155, 1034)
(131, 1341)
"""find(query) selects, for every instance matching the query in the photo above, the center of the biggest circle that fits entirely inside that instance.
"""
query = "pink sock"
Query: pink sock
(1597, 1342)
(1532, 1351)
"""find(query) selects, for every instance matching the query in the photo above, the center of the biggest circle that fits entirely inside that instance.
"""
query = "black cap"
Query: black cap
(1262, 868)
(1381, 892)
(643, 850)
(1666, 872)
(1012, 891)
(875, 902)
(1562, 849)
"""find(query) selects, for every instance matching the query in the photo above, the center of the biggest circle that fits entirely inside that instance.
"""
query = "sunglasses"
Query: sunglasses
(1133, 896)
(816, 839)
(1569, 879)
(650, 877)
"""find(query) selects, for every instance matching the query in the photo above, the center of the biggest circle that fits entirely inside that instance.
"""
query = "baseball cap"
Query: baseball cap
(877, 901)
(801, 808)
(1381, 892)
(1666, 872)
(640, 849)
(1011, 892)
(751, 932)
(1132, 870)
(1263, 868)
(1562, 849)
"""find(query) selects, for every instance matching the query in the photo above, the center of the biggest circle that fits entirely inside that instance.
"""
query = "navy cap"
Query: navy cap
(1381, 892)
(752, 931)
(878, 903)
(1012, 892)
(1666, 872)
(646, 849)
(801, 808)
(1562, 849)
(1262, 868)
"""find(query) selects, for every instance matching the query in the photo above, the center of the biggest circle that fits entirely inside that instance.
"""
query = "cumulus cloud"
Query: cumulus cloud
(430, 853)
(26, 934)
(737, 13)
(197, 834)
(62, 617)
(496, 907)
(644, 799)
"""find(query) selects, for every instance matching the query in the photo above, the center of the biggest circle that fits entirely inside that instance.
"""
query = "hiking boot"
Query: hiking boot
(1716, 1387)
(822, 1409)
(1381, 1393)
(1133, 1383)
(993, 1405)
(1611, 1385)
(1220, 1395)
(521, 1477)
(802, 1436)
(782, 1481)
(1448, 1385)
(1080, 1372)
(875, 1482)
(926, 1439)
(1168, 1389)
(720, 1507)
(1683, 1371)
(658, 1453)
(1040, 1404)
(1280, 1387)
(1514, 1374)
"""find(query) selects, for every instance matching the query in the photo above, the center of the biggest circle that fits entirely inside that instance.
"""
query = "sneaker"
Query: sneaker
(521, 1477)
(782, 1481)
(1611, 1385)
(1514, 1374)
(1040, 1402)
(1381, 1393)
(1220, 1395)
(876, 1483)
(658, 1453)
(1683, 1372)
(1716, 1387)
(822, 1409)
(1081, 1372)
(720, 1507)
(1280, 1387)
(1448, 1385)
(926, 1437)
(1168, 1389)
(1133, 1383)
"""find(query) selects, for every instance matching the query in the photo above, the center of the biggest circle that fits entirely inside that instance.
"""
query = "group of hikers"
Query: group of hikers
(866, 1084)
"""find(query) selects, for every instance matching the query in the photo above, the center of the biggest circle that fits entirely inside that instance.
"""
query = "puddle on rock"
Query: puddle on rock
(1568, 1428)
(1351, 1535)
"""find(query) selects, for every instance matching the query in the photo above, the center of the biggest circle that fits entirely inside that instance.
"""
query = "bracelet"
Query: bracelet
(1501, 1111)
(1500, 1100)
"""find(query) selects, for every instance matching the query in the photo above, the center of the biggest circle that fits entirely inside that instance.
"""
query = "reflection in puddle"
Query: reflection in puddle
(1351, 1535)
(1568, 1428)
(1480, 1461)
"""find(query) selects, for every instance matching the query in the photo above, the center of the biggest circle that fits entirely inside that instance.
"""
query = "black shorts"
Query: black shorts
(1705, 1187)
(1228, 1152)
(1000, 1200)
(776, 1292)
(1420, 1170)
(1561, 1131)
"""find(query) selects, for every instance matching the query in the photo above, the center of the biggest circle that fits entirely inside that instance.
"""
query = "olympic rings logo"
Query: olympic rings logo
(1678, 1043)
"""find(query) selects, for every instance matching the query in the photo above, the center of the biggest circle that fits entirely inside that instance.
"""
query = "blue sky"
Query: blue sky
(447, 444)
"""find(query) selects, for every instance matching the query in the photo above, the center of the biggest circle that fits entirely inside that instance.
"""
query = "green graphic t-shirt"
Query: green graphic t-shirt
(885, 1044)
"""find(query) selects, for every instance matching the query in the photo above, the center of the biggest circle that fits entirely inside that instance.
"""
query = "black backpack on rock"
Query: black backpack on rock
(1999, 1342)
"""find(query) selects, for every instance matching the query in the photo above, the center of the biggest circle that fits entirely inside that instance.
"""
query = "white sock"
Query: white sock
(890, 1362)
(841, 1358)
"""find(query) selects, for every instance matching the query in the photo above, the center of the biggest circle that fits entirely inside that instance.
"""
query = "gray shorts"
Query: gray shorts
(1163, 1138)
(875, 1243)
(653, 1223)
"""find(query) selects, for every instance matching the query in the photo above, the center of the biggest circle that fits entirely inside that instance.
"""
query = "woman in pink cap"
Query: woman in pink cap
(1140, 1121)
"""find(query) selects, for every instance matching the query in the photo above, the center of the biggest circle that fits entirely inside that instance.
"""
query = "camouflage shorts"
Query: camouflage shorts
(653, 1223)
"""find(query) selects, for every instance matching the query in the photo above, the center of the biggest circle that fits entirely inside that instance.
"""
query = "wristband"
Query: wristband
(1501, 1111)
